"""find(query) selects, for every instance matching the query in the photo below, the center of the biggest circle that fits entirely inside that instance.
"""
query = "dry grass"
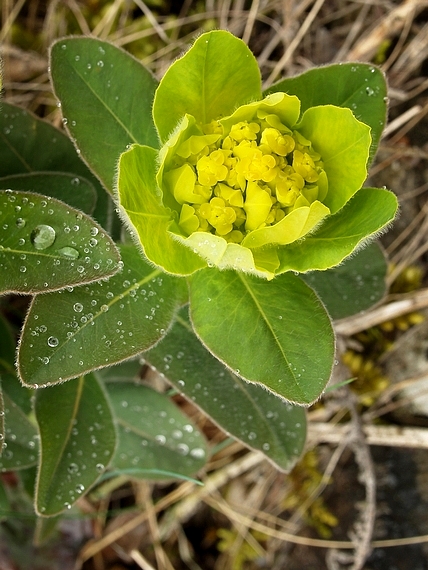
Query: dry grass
(242, 491)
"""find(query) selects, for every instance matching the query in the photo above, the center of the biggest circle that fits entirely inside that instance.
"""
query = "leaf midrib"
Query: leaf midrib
(267, 322)
(65, 440)
(103, 104)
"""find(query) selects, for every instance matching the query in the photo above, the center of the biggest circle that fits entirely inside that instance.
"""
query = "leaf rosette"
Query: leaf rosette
(241, 178)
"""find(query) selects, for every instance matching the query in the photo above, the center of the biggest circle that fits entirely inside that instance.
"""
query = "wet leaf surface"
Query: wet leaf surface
(74, 190)
(70, 332)
(155, 439)
(246, 411)
(46, 245)
(259, 330)
(354, 286)
(77, 442)
(118, 94)
(20, 435)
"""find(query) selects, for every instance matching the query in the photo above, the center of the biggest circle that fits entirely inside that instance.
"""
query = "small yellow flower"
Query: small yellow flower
(237, 176)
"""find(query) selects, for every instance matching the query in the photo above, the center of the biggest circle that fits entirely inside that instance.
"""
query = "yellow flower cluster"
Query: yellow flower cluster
(233, 181)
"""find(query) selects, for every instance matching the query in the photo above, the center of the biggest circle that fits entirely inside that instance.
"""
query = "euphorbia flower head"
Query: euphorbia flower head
(242, 176)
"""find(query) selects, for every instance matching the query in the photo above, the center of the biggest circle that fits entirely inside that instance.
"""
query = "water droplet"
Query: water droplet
(20, 223)
(252, 436)
(53, 341)
(183, 449)
(198, 453)
(78, 307)
(73, 468)
(161, 439)
(100, 63)
(69, 252)
(43, 236)
(22, 269)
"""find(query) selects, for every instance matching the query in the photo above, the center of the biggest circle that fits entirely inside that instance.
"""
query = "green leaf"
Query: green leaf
(73, 190)
(264, 330)
(154, 435)
(45, 528)
(77, 440)
(7, 346)
(2, 430)
(344, 146)
(20, 394)
(106, 97)
(6, 509)
(358, 86)
(246, 411)
(354, 286)
(69, 333)
(21, 438)
(217, 74)
(140, 199)
(366, 214)
(46, 245)
(31, 145)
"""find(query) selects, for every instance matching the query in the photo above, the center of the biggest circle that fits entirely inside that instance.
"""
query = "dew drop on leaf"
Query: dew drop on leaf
(197, 453)
(69, 252)
(73, 468)
(53, 341)
(43, 236)
(183, 449)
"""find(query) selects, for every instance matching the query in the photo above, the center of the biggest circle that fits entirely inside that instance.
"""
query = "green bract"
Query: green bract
(239, 178)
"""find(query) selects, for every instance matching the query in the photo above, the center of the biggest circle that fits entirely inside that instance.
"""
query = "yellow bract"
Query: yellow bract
(236, 177)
